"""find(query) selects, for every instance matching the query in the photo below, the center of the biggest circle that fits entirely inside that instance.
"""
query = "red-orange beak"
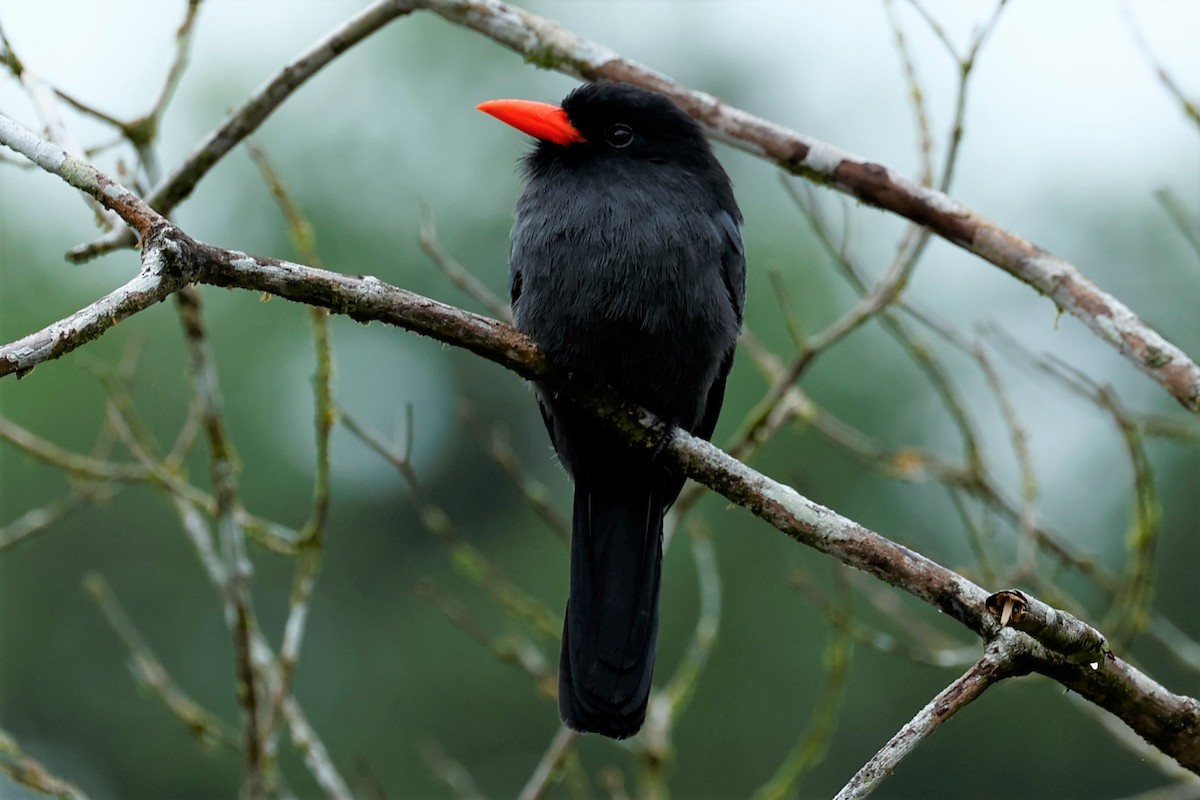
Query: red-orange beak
(540, 120)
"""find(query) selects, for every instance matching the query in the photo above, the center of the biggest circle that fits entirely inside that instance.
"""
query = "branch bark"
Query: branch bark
(1169, 722)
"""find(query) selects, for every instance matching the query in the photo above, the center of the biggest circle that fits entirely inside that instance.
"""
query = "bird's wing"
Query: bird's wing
(733, 271)
(733, 262)
(514, 284)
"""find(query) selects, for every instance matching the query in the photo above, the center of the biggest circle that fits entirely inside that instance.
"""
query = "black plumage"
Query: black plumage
(627, 268)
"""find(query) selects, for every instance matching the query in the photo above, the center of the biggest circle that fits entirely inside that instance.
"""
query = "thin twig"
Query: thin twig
(1184, 648)
(496, 441)
(517, 651)
(937, 29)
(928, 653)
(1191, 108)
(304, 737)
(183, 49)
(31, 773)
(668, 704)
(45, 102)
(151, 674)
(74, 464)
(1187, 225)
(244, 120)
(1019, 437)
(679, 689)
(37, 520)
(1145, 754)
(459, 275)
(813, 743)
(916, 95)
(539, 782)
(467, 559)
(313, 751)
(452, 773)
(308, 549)
(223, 467)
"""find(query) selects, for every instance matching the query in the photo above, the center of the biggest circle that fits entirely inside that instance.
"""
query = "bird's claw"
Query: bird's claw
(659, 431)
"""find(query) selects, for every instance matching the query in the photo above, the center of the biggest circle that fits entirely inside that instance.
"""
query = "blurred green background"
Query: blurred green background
(1068, 134)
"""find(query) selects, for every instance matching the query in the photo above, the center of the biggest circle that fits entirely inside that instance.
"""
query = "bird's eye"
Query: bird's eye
(619, 135)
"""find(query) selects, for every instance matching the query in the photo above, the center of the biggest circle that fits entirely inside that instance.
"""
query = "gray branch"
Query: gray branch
(1000, 660)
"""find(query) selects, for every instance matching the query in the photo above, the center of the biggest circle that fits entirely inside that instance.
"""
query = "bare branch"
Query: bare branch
(916, 95)
(313, 751)
(539, 781)
(1001, 659)
(239, 610)
(150, 672)
(497, 443)
(303, 239)
(920, 651)
(71, 463)
(245, 119)
(812, 744)
(450, 772)
(28, 771)
(1189, 227)
(668, 704)
(36, 520)
(1136, 745)
(457, 273)
(305, 739)
(518, 651)
(1190, 107)
(183, 49)
(81, 175)
(680, 688)
(467, 559)
(1019, 437)
(45, 103)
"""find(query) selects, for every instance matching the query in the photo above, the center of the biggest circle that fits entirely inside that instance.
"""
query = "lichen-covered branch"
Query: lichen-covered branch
(80, 174)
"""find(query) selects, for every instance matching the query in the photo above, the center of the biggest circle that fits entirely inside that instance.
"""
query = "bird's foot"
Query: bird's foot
(658, 430)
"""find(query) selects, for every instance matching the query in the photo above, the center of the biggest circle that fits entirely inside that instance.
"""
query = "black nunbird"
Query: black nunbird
(626, 268)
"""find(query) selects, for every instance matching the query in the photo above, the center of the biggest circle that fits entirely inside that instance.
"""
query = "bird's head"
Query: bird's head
(607, 122)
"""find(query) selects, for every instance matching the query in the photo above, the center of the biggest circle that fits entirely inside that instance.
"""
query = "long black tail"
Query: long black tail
(611, 622)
